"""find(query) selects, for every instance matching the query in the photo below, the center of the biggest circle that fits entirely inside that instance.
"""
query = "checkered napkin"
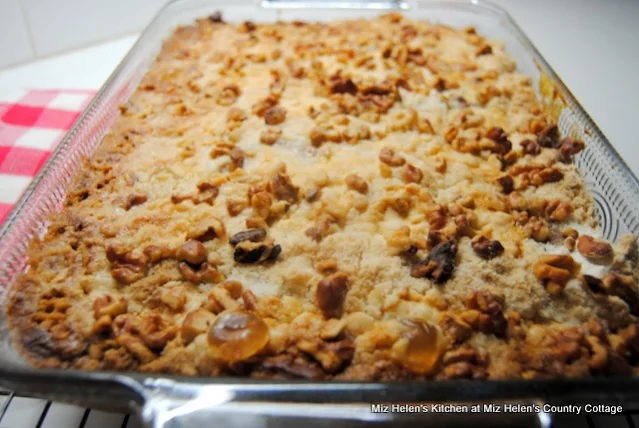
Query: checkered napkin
(32, 123)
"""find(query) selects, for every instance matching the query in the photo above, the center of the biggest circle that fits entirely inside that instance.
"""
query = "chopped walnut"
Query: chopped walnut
(341, 85)
(174, 298)
(314, 232)
(390, 158)
(326, 266)
(412, 174)
(207, 229)
(558, 210)
(484, 49)
(499, 136)
(155, 253)
(261, 107)
(456, 328)
(219, 300)
(357, 183)
(153, 331)
(250, 300)
(424, 126)
(438, 265)
(235, 207)
(624, 287)
(506, 183)
(192, 252)
(594, 249)
(234, 288)
(195, 323)
(270, 135)
(284, 189)
(555, 271)
(548, 136)
(487, 249)
(491, 319)
(332, 356)
(202, 274)
(274, 115)
(437, 218)
(261, 203)
(331, 293)
(236, 114)
(126, 267)
(248, 251)
(530, 147)
(570, 146)
(108, 305)
(464, 363)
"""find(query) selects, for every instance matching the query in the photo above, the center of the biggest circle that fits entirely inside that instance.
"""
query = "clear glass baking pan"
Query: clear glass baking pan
(174, 402)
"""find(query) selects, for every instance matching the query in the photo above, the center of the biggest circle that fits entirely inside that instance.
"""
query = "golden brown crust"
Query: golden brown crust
(375, 199)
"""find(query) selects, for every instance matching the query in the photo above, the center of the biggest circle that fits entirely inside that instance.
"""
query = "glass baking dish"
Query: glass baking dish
(178, 402)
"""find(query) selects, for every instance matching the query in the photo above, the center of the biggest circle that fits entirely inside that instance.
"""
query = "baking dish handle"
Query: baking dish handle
(171, 404)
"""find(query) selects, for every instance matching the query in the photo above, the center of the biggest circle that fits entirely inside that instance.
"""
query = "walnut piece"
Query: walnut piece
(331, 293)
(594, 249)
(412, 174)
(284, 189)
(486, 248)
(438, 265)
(491, 318)
(126, 267)
(108, 305)
(270, 135)
(274, 115)
(357, 183)
(555, 271)
(332, 356)
(192, 252)
(195, 323)
(390, 158)
(571, 146)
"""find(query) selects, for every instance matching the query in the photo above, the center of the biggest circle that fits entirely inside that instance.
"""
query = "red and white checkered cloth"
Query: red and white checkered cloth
(32, 123)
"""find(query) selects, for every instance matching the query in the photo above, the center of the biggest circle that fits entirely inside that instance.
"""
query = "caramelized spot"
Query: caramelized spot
(237, 336)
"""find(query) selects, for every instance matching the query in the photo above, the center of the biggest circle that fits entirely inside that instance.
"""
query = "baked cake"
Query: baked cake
(381, 199)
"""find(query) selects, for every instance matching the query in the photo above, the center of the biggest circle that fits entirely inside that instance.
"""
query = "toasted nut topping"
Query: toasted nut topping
(438, 265)
(412, 174)
(228, 95)
(234, 288)
(274, 115)
(192, 252)
(195, 323)
(456, 328)
(237, 335)
(134, 200)
(593, 249)
(204, 273)
(326, 266)
(555, 271)
(530, 147)
(270, 135)
(154, 332)
(250, 300)
(126, 268)
(570, 243)
(261, 203)
(491, 319)
(136, 347)
(107, 305)
(235, 207)
(507, 184)
(437, 218)
(219, 299)
(517, 202)
(207, 230)
(558, 210)
(548, 136)
(421, 347)
(284, 189)
(155, 254)
(256, 222)
(253, 235)
(236, 114)
(357, 183)
(389, 157)
(571, 146)
(332, 356)
(500, 137)
(331, 293)
(174, 298)
(256, 252)
(487, 249)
